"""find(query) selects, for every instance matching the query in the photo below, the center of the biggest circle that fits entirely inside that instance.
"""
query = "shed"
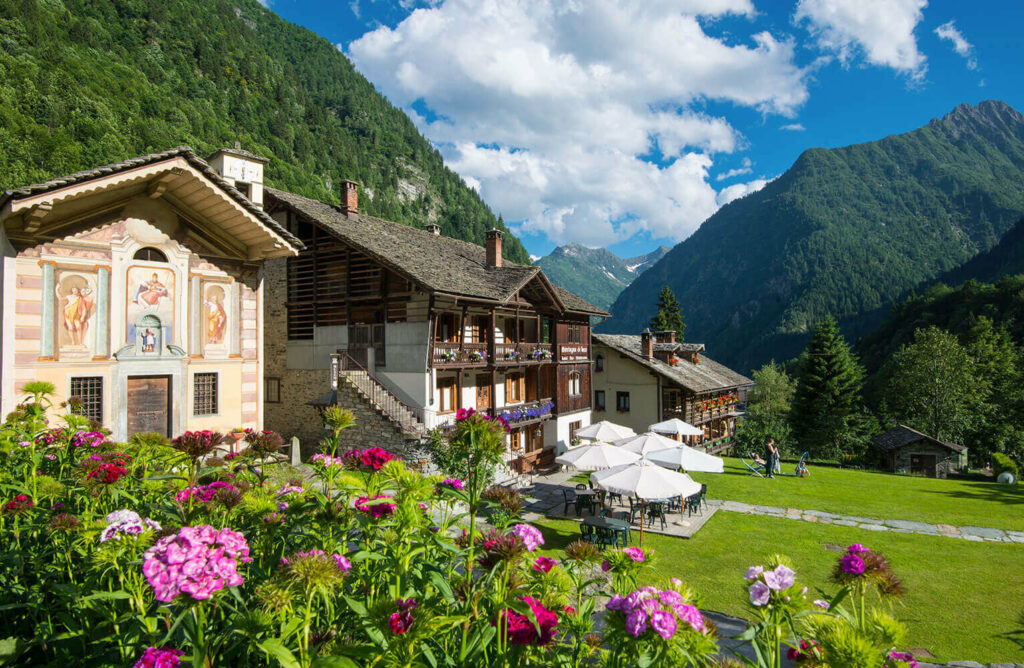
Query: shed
(907, 450)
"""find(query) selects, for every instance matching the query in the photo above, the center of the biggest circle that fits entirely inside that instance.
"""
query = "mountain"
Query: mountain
(845, 231)
(596, 274)
(1004, 259)
(89, 82)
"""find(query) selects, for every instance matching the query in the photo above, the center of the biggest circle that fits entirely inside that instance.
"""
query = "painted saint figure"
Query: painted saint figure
(148, 341)
(76, 312)
(150, 292)
(216, 316)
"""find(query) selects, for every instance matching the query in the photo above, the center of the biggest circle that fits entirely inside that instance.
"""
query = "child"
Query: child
(801, 470)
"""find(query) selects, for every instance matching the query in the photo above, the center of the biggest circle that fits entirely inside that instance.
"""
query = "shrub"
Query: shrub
(1002, 463)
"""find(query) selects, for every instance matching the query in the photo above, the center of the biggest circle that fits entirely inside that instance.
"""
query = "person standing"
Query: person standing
(771, 456)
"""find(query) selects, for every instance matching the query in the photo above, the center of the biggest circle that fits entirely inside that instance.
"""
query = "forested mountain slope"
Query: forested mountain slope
(1004, 259)
(88, 82)
(844, 231)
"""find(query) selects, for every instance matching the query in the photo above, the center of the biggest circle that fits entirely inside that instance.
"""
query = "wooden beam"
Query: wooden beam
(158, 186)
(34, 218)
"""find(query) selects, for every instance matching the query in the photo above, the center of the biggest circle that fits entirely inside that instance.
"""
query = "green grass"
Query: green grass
(874, 494)
(960, 595)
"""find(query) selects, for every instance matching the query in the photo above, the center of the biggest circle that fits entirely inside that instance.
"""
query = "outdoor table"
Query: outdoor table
(586, 496)
(621, 527)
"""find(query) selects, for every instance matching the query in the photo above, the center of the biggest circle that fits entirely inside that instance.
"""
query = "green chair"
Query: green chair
(655, 510)
(587, 533)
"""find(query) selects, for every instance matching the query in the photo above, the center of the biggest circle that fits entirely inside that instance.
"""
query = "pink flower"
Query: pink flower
(663, 623)
(376, 507)
(636, 623)
(521, 630)
(531, 536)
(163, 657)
(759, 593)
(544, 564)
(453, 483)
(780, 578)
(852, 564)
(634, 553)
(197, 561)
(690, 615)
(904, 657)
(344, 565)
(857, 548)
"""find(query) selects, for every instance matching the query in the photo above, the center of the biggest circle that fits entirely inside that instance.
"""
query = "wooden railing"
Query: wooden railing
(409, 418)
(453, 353)
(522, 353)
(517, 414)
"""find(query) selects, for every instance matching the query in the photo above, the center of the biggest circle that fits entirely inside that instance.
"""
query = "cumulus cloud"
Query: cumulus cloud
(745, 169)
(880, 30)
(583, 121)
(740, 190)
(793, 127)
(963, 48)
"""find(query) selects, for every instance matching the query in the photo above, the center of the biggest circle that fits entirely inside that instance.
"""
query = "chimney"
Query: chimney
(349, 198)
(494, 248)
(434, 229)
(646, 344)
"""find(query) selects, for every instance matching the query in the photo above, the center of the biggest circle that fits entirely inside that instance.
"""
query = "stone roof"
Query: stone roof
(708, 376)
(678, 347)
(185, 152)
(435, 262)
(241, 153)
(902, 435)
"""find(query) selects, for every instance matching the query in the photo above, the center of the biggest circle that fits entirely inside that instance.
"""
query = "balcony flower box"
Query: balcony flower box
(477, 356)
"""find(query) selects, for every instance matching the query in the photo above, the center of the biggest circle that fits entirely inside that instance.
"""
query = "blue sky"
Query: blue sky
(626, 124)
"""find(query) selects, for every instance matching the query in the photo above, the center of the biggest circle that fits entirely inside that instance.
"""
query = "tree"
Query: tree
(999, 364)
(767, 410)
(669, 315)
(827, 417)
(932, 386)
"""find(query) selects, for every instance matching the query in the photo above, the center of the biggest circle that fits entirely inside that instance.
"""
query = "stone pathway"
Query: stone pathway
(971, 533)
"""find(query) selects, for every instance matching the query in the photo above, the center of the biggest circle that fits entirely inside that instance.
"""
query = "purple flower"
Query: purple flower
(162, 657)
(605, 566)
(636, 623)
(453, 483)
(344, 565)
(615, 603)
(780, 578)
(852, 564)
(857, 548)
(669, 597)
(197, 561)
(531, 536)
(759, 593)
(904, 657)
(663, 623)
(822, 604)
(753, 572)
(691, 615)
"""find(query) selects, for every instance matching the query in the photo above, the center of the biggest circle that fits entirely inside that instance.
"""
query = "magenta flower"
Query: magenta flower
(857, 548)
(197, 561)
(605, 566)
(634, 553)
(759, 593)
(453, 483)
(344, 565)
(521, 630)
(544, 564)
(663, 623)
(852, 564)
(615, 603)
(162, 657)
(636, 622)
(904, 657)
(377, 506)
(690, 615)
(531, 536)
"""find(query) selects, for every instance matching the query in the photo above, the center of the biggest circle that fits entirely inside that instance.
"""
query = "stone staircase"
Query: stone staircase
(382, 401)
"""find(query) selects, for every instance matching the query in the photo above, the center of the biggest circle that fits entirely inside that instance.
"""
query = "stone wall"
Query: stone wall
(374, 429)
(901, 458)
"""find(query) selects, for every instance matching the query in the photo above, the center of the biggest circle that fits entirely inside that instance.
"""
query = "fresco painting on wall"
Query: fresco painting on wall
(150, 293)
(76, 301)
(216, 317)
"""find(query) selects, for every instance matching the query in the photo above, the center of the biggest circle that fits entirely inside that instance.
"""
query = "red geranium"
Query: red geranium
(520, 628)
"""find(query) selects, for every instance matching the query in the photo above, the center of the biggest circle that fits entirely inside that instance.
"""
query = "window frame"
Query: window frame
(574, 384)
(517, 383)
(598, 363)
(574, 427)
(599, 400)
(268, 382)
(450, 387)
(622, 402)
(102, 393)
(215, 375)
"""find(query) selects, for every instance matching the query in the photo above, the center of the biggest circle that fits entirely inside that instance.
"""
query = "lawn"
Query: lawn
(875, 494)
(960, 595)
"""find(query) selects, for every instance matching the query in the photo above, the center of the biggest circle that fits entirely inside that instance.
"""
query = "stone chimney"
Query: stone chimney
(665, 336)
(349, 198)
(646, 344)
(434, 229)
(494, 248)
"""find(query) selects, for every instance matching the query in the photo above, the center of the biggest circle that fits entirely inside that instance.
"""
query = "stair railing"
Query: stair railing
(408, 417)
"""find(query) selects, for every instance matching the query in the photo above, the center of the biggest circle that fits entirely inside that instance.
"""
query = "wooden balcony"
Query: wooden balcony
(530, 412)
(450, 354)
(516, 354)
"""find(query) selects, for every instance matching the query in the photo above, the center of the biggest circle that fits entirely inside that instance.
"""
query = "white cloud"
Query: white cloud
(881, 30)
(793, 127)
(552, 109)
(963, 48)
(740, 190)
(745, 169)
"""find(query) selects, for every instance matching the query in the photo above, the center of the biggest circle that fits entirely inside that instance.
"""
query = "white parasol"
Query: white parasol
(604, 431)
(685, 457)
(676, 427)
(645, 480)
(596, 456)
(644, 444)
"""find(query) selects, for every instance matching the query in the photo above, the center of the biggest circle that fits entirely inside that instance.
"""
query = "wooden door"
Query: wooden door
(534, 438)
(483, 392)
(149, 404)
(359, 344)
(923, 464)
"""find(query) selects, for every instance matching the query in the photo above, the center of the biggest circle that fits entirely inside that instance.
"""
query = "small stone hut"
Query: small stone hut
(907, 450)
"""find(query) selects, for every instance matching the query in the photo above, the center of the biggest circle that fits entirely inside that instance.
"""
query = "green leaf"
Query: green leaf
(334, 662)
(275, 648)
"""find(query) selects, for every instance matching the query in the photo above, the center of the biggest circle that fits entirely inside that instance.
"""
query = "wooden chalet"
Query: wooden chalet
(640, 380)
(906, 450)
(421, 325)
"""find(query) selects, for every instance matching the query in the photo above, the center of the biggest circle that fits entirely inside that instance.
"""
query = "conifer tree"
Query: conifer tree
(669, 315)
(827, 416)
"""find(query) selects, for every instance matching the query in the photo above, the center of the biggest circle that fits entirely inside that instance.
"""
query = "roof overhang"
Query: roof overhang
(233, 226)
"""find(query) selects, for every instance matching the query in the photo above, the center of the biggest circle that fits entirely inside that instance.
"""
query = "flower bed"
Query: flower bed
(171, 555)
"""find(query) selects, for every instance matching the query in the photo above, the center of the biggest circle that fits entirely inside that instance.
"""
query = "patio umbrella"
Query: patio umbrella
(644, 444)
(676, 427)
(685, 457)
(645, 480)
(596, 456)
(604, 431)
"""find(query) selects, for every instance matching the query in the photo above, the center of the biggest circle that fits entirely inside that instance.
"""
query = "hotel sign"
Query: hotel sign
(574, 352)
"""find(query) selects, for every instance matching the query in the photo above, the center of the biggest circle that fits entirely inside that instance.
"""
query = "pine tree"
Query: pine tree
(669, 316)
(827, 417)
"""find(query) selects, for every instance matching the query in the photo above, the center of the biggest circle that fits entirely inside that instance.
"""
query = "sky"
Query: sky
(627, 124)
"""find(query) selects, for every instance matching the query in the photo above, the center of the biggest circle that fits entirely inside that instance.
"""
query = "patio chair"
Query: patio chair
(614, 496)
(606, 537)
(692, 503)
(625, 516)
(655, 510)
(587, 533)
(581, 486)
(570, 498)
(634, 510)
(675, 504)
(587, 502)
(753, 470)
(606, 512)
(704, 495)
